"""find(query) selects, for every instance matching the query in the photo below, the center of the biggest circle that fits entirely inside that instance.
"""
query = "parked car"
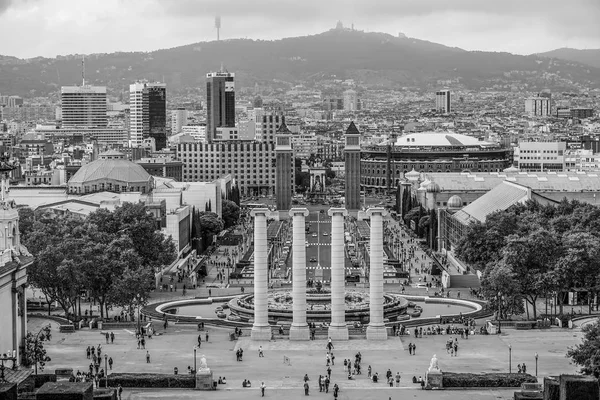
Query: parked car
(325, 234)
(313, 259)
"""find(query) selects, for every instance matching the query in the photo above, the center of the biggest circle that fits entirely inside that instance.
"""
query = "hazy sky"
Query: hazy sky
(49, 27)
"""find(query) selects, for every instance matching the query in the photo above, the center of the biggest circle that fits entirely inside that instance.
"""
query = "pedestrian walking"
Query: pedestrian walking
(112, 337)
(306, 388)
(120, 392)
(110, 363)
(199, 340)
(206, 336)
(147, 357)
(262, 389)
(260, 351)
(107, 337)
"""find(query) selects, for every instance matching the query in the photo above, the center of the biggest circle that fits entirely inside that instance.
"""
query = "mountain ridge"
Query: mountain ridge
(375, 59)
(589, 57)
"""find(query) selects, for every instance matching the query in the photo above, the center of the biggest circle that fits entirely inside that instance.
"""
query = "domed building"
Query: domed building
(112, 172)
(385, 165)
(455, 202)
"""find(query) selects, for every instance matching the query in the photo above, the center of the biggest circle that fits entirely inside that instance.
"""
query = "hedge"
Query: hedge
(33, 382)
(150, 381)
(452, 379)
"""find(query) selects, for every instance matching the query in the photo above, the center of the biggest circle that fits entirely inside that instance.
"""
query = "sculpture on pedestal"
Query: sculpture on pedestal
(433, 365)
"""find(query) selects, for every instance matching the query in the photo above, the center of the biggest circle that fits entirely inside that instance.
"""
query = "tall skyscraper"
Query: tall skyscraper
(284, 173)
(352, 167)
(220, 102)
(148, 113)
(443, 101)
(83, 106)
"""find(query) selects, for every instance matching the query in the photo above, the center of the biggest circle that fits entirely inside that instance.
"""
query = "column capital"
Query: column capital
(299, 211)
(337, 211)
(376, 210)
(260, 211)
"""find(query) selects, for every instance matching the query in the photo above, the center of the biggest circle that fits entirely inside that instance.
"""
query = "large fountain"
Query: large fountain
(318, 306)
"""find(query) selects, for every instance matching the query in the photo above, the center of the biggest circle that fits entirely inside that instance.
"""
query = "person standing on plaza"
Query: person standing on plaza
(260, 351)
(107, 337)
(110, 363)
(147, 357)
(199, 340)
(120, 391)
(112, 337)
(305, 388)
(262, 389)
(398, 379)
(369, 372)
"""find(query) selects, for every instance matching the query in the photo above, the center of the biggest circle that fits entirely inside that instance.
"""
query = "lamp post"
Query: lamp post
(9, 356)
(536, 364)
(509, 359)
(195, 348)
(105, 370)
(139, 301)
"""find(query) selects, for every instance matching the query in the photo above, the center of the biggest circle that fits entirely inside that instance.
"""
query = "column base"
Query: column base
(299, 332)
(261, 333)
(378, 332)
(338, 332)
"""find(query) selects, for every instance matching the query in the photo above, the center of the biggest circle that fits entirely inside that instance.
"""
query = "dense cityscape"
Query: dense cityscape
(323, 227)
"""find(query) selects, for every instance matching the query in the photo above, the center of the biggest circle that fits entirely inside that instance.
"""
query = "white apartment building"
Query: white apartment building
(540, 156)
(179, 119)
(443, 101)
(304, 145)
(537, 106)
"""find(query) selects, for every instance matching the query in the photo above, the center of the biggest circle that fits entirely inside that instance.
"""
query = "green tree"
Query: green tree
(210, 225)
(26, 220)
(530, 258)
(230, 212)
(587, 354)
(35, 353)
(579, 264)
(500, 286)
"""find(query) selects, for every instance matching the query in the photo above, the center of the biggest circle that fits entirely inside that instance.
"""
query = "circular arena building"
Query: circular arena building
(383, 166)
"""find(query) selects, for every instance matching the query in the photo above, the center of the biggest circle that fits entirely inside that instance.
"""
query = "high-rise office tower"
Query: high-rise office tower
(352, 167)
(148, 113)
(442, 101)
(83, 106)
(220, 103)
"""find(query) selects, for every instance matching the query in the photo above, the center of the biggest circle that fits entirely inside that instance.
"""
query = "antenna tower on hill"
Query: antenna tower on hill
(218, 26)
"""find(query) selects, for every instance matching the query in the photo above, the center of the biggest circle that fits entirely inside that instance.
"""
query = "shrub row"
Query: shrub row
(150, 381)
(33, 382)
(452, 379)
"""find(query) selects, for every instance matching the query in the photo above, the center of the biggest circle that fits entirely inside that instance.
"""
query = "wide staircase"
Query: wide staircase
(465, 281)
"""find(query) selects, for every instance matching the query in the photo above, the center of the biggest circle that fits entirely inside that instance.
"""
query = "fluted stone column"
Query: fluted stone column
(260, 329)
(338, 329)
(299, 329)
(376, 329)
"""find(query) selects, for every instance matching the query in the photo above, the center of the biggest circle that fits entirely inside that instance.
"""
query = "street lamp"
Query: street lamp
(9, 356)
(105, 370)
(195, 348)
(536, 364)
(139, 302)
(509, 359)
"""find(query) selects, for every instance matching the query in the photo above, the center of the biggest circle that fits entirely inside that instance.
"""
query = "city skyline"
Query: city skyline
(47, 26)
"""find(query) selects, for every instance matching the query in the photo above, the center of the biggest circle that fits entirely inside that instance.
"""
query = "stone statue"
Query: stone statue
(433, 366)
(203, 364)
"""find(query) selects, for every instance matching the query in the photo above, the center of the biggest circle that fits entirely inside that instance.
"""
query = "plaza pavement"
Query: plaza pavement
(175, 349)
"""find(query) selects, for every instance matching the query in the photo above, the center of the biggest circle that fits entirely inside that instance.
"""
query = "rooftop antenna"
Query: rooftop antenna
(83, 70)
(218, 26)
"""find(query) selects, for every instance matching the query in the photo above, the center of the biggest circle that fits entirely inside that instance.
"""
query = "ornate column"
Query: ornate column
(376, 329)
(299, 329)
(260, 329)
(338, 329)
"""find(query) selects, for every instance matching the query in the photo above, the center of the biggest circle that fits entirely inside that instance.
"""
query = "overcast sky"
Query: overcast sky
(49, 27)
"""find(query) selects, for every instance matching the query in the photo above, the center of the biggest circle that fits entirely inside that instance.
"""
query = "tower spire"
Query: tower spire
(83, 70)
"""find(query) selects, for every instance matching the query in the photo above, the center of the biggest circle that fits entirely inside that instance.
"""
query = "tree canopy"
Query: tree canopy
(540, 247)
(112, 255)
(230, 212)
